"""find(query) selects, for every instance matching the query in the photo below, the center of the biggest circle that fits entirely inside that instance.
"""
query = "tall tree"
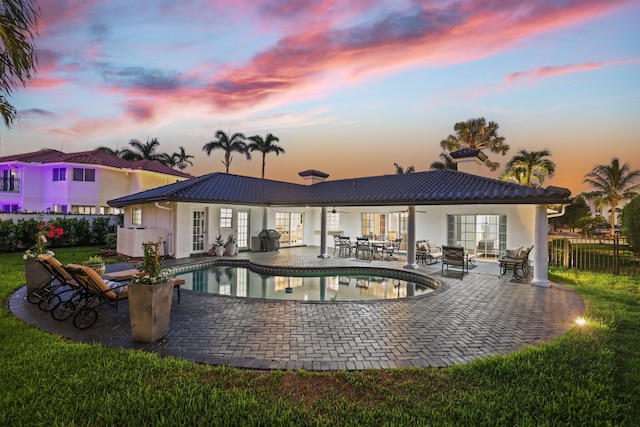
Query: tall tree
(477, 133)
(181, 159)
(265, 146)
(529, 168)
(229, 144)
(447, 162)
(140, 151)
(18, 23)
(612, 184)
(400, 170)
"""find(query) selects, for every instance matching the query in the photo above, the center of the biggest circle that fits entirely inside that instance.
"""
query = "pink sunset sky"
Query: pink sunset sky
(350, 88)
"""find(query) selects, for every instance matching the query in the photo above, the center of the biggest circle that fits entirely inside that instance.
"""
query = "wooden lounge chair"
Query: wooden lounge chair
(96, 291)
(49, 295)
(454, 256)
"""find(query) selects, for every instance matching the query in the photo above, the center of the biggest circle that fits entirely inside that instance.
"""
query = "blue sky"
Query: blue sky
(349, 87)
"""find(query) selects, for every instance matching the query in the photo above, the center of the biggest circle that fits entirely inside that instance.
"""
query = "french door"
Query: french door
(199, 232)
(242, 239)
(290, 225)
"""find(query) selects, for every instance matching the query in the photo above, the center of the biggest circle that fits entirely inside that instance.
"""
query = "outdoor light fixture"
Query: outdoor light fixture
(581, 321)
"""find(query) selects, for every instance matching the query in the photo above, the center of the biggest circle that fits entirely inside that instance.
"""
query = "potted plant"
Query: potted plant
(96, 263)
(36, 275)
(150, 297)
(218, 246)
(230, 247)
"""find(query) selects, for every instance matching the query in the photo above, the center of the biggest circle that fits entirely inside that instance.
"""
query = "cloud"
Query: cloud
(142, 79)
(554, 71)
(36, 112)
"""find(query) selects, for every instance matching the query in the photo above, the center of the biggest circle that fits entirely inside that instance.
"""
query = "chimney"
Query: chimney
(313, 176)
(470, 160)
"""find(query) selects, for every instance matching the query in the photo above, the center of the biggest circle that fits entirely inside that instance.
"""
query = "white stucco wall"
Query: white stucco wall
(430, 225)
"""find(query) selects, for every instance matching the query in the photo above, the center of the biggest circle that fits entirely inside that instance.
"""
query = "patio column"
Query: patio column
(411, 238)
(541, 249)
(265, 215)
(323, 233)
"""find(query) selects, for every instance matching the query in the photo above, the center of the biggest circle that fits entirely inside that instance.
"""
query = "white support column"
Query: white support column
(323, 233)
(411, 239)
(541, 249)
(265, 215)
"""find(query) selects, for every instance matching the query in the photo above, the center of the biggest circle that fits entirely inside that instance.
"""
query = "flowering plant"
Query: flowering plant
(150, 272)
(45, 231)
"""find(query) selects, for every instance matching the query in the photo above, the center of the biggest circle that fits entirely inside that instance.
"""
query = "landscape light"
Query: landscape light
(581, 321)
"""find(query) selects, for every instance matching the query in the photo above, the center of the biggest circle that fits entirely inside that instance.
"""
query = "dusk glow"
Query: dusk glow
(350, 88)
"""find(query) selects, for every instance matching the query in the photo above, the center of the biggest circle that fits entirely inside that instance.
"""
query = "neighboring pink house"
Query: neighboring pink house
(78, 183)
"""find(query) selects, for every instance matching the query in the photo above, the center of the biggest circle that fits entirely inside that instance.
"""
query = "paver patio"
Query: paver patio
(464, 320)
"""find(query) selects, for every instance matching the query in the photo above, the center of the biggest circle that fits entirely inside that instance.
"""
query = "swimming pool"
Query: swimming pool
(337, 285)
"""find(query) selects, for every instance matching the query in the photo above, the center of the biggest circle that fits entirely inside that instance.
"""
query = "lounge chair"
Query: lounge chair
(454, 256)
(95, 292)
(49, 295)
(516, 260)
(427, 252)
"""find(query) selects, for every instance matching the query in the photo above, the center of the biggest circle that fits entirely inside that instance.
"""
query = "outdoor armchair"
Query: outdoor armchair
(454, 256)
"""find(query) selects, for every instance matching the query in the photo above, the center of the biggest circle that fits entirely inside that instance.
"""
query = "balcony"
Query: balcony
(9, 185)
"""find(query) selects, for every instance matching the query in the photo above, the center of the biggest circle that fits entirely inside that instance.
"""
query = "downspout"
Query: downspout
(171, 219)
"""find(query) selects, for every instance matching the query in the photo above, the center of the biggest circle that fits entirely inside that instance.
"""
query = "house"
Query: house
(445, 206)
(78, 183)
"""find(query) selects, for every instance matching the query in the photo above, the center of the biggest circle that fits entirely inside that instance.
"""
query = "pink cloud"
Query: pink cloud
(551, 71)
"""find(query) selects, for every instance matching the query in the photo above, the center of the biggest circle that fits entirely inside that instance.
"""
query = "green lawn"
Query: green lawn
(590, 376)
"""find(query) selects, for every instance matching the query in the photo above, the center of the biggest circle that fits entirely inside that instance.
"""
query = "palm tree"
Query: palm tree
(529, 168)
(612, 184)
(109, 150)
(229, 145)
(400, 170)
(265, 146)
(446, 163)
(476, 133)
(140, 151)
(18, 23)
(181, 159)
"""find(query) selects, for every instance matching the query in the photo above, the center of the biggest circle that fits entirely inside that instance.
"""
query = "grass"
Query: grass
(590, 376)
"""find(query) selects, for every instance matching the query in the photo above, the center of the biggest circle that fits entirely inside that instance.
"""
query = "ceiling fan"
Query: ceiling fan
(334, 211)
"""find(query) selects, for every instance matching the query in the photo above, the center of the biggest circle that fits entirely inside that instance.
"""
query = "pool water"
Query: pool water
(243, 282)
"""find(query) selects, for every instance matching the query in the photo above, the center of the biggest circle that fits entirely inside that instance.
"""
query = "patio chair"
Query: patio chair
(49, 295)
(389, 250)
(454, 256)
(434, 253)
(516, 260)
(346, 246)
(363, 246)
(95, 292)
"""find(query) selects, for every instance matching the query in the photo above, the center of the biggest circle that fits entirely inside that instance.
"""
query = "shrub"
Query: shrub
(100, 229)
(7, 235)
(112, 240)
(631, 222)
(27, 232)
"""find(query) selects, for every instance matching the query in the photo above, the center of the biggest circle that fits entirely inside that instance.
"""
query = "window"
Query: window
(136, 216)
(80, 174)
(10, 208)
(374, 224)
(59, 174)
(226, 218)
(483, 235)
(333, 221)
(60, 208)
(87, 210)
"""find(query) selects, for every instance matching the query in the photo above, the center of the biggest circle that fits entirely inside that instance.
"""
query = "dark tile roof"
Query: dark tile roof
(421, 188)
(93, 157)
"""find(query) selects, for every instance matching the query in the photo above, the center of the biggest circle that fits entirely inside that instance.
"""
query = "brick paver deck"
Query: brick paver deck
(464, 320)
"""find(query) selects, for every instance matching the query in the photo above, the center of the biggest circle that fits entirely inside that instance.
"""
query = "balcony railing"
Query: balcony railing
(9, 185)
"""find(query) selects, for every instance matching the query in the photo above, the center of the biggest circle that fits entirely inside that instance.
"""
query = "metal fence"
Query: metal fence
(603, 255)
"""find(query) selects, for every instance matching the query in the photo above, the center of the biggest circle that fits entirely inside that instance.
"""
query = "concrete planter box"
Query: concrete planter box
(150, 310)
(37, 276)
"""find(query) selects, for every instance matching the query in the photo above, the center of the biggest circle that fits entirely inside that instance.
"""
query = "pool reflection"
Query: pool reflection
(242, 282)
